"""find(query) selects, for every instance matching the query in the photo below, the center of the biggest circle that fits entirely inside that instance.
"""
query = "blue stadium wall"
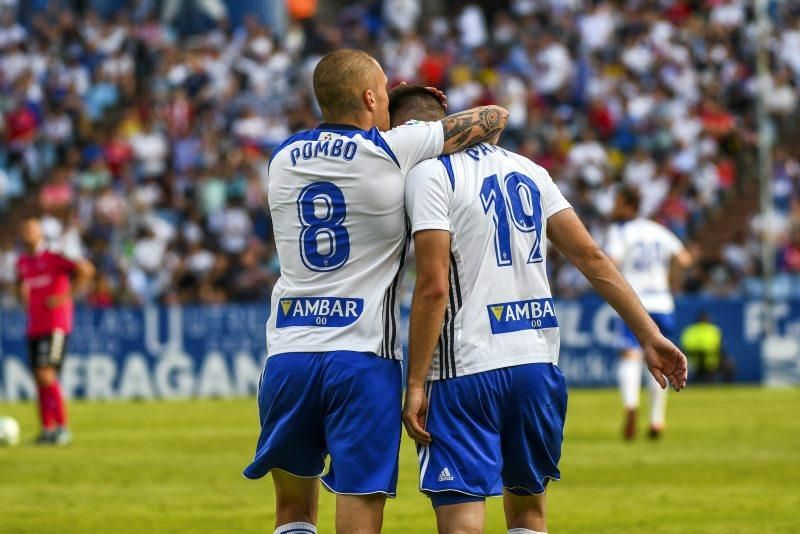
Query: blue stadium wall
(218, 351)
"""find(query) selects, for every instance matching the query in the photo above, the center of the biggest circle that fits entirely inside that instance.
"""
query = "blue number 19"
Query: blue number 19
(526, 213)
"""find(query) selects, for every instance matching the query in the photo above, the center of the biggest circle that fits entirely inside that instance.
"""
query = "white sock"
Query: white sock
(524, 531)
(629, 376)
(658, 403)
(298, 527)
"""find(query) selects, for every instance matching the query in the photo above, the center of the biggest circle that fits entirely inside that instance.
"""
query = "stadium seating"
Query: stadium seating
(146, 149)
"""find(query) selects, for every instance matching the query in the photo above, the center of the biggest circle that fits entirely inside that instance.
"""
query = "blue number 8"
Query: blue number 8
(329, 227)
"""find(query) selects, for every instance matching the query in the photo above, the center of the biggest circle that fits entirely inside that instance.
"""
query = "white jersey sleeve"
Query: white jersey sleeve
(428, 195)
(414, 142)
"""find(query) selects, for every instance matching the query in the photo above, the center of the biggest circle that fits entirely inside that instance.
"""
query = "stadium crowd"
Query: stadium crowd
(148, 152)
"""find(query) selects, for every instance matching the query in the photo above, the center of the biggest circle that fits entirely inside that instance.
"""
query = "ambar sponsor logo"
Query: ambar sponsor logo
(522, 315)
(319, 311)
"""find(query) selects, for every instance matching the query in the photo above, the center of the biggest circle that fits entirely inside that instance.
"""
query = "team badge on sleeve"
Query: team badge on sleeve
(522, 315)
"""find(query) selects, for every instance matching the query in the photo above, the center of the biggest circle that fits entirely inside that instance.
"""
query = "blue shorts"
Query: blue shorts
(626, 340)
(346, 404)
(493, 430)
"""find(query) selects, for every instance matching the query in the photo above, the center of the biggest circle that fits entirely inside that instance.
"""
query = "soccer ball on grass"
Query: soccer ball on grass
(9, 431)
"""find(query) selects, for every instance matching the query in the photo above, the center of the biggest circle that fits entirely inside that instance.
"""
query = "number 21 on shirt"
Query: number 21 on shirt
(519, 193)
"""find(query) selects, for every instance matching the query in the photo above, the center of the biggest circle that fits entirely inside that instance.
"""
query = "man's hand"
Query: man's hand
(666, 362)
(440, 96)
(414, 413)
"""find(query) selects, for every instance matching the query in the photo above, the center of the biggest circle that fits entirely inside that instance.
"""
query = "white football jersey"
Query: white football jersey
(643, 249)
(336, 200)
(495, 204)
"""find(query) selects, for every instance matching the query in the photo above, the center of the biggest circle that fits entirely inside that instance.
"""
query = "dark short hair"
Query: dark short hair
(340, 78)
(631, 197)
(413, 102)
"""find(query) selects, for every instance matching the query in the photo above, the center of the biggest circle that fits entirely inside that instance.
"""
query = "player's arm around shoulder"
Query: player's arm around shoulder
(482, 124)
(415, 140)
(665, 361)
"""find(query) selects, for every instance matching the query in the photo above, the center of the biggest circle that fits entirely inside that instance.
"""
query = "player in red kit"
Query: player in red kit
(46, 287)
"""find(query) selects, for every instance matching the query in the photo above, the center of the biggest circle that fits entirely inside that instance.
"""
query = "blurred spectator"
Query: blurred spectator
(57, 195)
(703, 345)
(148, 151)
(101, 295)
(215, 9)
(402, 15)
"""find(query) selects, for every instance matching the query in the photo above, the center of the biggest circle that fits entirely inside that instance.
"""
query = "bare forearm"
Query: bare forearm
(427, 314)
(473, 126)
(612, 286)
(572, 239)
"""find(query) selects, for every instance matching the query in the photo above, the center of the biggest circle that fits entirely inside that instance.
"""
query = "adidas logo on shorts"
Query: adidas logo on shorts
(445, 475)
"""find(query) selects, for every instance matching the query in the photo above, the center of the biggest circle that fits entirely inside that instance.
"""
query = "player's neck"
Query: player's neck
(361, 122)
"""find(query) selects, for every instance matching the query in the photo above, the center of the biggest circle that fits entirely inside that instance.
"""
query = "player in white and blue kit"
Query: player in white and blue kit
(332, 382)
(485, 400)
(645, 252)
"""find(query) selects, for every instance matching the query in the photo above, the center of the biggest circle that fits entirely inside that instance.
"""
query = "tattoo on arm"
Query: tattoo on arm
(473, 126)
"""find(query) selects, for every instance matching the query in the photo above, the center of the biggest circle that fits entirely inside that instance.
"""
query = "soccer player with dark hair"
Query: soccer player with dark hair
(485, 400)
(332, 384)
(46, 288)
(646, 253)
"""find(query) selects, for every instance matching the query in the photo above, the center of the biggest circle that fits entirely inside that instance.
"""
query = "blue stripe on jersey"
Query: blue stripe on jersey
(345, 130)
(448, 166)
(375, 136)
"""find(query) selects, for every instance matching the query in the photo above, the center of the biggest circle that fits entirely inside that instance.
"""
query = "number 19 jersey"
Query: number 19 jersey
(336, 201)
(495, 204)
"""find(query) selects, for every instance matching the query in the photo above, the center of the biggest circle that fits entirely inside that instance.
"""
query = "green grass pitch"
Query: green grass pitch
(730, 462)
